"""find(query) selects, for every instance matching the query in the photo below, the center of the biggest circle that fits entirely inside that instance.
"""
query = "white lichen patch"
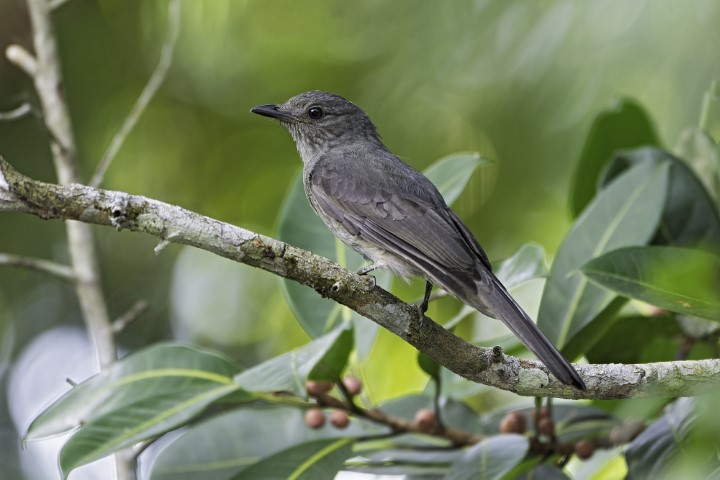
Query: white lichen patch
(532, 379)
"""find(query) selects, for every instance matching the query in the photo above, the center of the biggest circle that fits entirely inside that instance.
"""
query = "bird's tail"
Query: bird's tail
(492, 298)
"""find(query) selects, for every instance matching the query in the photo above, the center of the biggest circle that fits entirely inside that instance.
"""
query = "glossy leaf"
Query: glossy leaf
(321, 359)
(625, 213)
(140, 397)
(637, 339)
(308, 461)
(193, 377)
(624, 125)
(428, 365)
(690, 217)
(595, 331)
(677, 279)
(526, 264)
(655, 449)
(490, 459)
(452, 173)
(419, 456)
(225, 445)
(544, 472)
(702, 154)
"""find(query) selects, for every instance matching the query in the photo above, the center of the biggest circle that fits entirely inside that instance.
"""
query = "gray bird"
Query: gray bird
(394, 216)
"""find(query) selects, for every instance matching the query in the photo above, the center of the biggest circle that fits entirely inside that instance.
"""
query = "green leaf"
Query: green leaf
(526, 264)
(141, 396)
(218, 448)
(490, 459)
(637, 339)
(690, 217)
(625, 213)
(624, 125)
(702, 154)
(681, 280)
(194, 377)
(321, 359)
(544, 472)
(428, 365)
(657, 447)
(409, 458)
(309, 461)
(452, 173)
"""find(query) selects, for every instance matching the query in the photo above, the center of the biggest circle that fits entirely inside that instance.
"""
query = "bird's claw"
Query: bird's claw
(421, 309)
(370, 281)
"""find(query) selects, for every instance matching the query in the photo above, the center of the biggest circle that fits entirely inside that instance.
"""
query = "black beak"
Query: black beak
(273, 112)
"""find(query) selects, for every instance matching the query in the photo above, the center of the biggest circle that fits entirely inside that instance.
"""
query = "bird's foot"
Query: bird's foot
(368, 268)
(369, 279)
(423, 306)
(370, 282)
(420, 310)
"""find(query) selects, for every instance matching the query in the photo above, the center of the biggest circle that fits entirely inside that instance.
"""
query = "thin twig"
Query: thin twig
(58, 270)
(16, 113)
(133, 313)
(152, 86)
(400, 425)
(22, 58)
(55, 4)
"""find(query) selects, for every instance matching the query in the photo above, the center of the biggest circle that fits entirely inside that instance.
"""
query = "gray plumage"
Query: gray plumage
(394, 216)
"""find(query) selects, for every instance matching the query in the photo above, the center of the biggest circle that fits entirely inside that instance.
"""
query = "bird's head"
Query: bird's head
(320, 121)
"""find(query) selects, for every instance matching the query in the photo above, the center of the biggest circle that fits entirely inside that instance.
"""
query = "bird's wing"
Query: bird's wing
(395, 219)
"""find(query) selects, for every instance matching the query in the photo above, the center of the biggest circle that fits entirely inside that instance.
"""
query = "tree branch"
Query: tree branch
(58, 270)
(481, 365)
(15, 113)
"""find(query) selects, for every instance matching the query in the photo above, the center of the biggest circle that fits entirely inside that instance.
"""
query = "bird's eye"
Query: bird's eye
(315, 113)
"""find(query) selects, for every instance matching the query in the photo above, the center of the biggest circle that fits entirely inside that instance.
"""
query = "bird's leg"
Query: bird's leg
(368, 268)
(426, 299)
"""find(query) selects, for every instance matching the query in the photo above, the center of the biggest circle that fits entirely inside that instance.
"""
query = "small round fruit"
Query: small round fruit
(352, 385)
(339, 419)
(425, 419)
(513, 422)
(584, 449)
(317, 387)
(314, 418)
(546, 427)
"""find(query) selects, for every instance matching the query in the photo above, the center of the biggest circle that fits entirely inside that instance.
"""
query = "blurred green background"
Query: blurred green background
(519, 82)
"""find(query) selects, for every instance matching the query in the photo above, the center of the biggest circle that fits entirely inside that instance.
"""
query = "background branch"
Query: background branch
(58, 270)
(17, 112)
(169, 222)
(48, 83)
(156, 79)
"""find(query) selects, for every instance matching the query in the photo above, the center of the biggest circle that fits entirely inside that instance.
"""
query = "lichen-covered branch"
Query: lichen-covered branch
(488, 366)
